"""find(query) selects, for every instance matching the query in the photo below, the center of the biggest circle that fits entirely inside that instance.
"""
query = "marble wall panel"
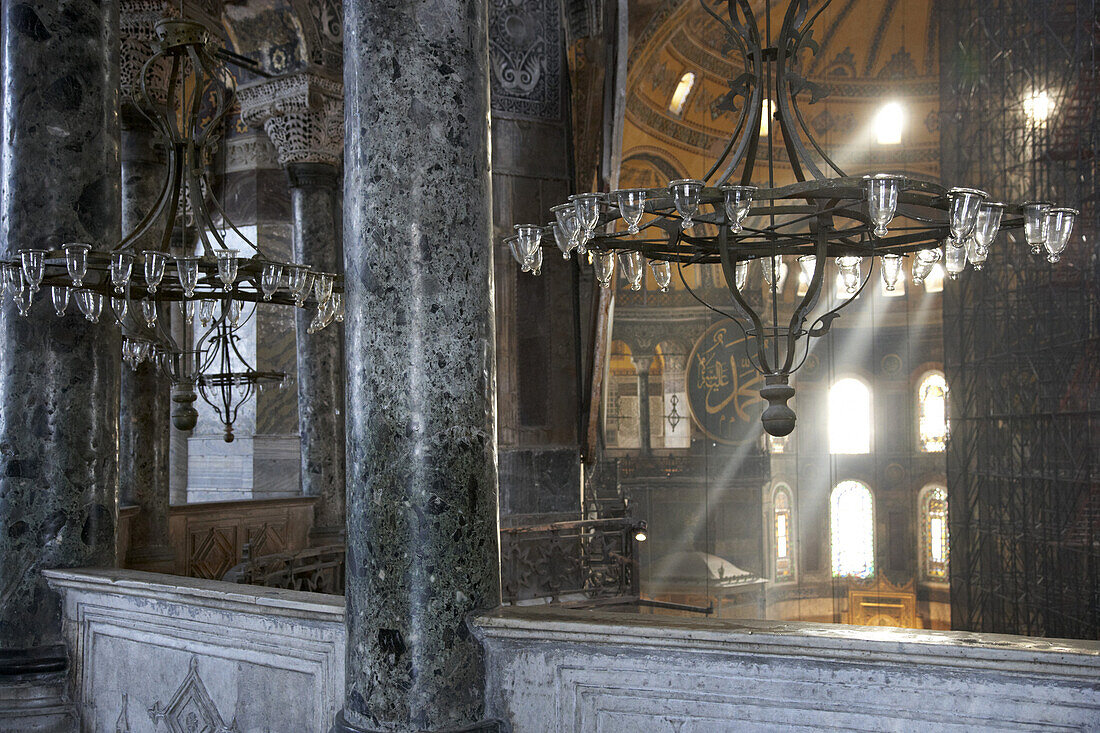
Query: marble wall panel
(554, 669)
(154, 652)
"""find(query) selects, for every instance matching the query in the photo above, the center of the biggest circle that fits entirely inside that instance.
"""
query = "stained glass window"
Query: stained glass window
(852, 536)
(935, 545)
(932, 413)
(850, 417)
(783, 563)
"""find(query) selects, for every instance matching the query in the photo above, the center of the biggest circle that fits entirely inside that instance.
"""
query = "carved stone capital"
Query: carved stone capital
(302, 113)
(137, 21)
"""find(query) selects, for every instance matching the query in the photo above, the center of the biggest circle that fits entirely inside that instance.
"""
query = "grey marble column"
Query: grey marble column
(320, 355)
(422, 512)
(642, 364)
(302, 114)
(59, 377)
(145, 405)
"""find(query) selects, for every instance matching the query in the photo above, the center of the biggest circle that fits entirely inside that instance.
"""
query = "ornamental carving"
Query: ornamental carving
(191, 709)
(136, 22)
(302, 114)
(525, 57)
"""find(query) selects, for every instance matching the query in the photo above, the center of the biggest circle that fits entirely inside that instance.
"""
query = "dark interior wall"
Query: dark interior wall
(1022, 338)
(536, 375)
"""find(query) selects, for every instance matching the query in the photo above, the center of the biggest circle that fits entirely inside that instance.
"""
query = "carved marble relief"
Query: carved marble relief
(190, 710)
(525, 57)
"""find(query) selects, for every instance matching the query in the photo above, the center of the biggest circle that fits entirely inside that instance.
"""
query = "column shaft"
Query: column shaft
(145, 403)
(320, 355)
(59, 377)
(422, 515)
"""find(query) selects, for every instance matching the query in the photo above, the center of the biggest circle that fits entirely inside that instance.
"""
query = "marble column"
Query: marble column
(642, 365)
(302, 114)
(58, 376)
(423, 550)
(144, 405)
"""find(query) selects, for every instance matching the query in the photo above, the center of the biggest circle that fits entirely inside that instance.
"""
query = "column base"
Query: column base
(37, 703)
(156, 559)
(484, 726)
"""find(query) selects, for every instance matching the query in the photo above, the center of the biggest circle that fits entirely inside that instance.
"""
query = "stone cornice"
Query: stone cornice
(302, 113)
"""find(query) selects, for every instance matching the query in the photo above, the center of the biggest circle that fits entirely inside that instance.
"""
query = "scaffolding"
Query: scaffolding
(1022, 339)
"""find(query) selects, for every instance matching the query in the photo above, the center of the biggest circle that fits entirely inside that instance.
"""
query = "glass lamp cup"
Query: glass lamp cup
(270, 276)
(529, 238)
(534, 262)
(154, 269)
(122, 267)
(685, 196)
(1059, 228)
(988, 224)
(10, 280)
(926, 259)
(566, 217)
(322, 286)
(964, 213)
(24, 298)
(976, 254)
(882, 201)
(662, 274)
(738, 202)
(60, 297)
(76, 261)
(149, 312)
(298, 280)
(603, 263)
(206, 312)
(513, 247)
(228, 265)
(741, 274)
(232, 312)
(33, 262)
(120, 307)
(775, 271)
(90, 303)
(187, 270)
(586, 206)
(564, 242)
(631, 207)
(338, 306)
(849, 272)
(891, 270)
(633, 266)
(954, 261)
(808, 265)
(1035, 224)
(189, 308)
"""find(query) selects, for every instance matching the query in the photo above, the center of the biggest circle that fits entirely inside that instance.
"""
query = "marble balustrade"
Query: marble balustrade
(144, 644)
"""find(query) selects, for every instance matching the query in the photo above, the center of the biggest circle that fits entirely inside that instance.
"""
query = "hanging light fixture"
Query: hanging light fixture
(141, 285)
(825, 217)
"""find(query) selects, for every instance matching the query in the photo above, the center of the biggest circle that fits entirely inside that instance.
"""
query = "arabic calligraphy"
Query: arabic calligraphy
(722, 386)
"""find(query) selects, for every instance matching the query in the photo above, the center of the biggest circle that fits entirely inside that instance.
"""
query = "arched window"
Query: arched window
(932, 413)
(934, 544)
(784, 545)
(669, 424)
(622, 417)
(852, 536)
(850, 417)
(681, 92)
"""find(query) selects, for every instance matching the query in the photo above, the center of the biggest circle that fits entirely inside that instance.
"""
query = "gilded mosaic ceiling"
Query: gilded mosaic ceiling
(872, 52)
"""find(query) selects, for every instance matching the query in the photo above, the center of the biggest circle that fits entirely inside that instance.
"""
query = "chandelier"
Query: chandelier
(826, 215)
(185, 91)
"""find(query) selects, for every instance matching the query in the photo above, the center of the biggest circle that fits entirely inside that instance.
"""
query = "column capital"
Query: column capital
(302, 113)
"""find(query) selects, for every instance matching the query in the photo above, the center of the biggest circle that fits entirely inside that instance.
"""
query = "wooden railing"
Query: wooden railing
(210, 538)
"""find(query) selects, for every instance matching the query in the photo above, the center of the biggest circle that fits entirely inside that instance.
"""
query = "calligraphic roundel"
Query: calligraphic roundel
(722, 386)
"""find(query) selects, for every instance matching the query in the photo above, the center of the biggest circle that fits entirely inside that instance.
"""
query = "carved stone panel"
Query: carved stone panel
(525, 53)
